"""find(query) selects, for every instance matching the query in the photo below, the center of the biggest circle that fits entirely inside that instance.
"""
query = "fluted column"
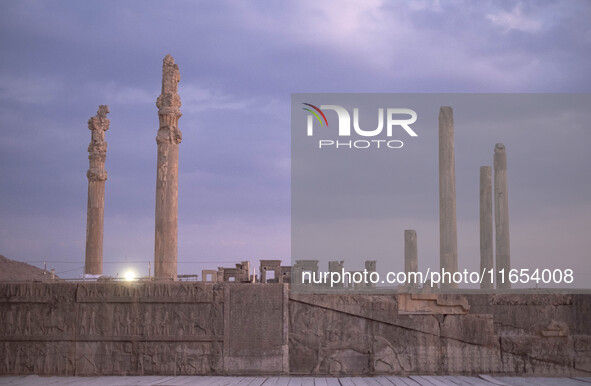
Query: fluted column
(97, 175)
(502, 252)
(168, 139)
(486, 226)
(448, 234)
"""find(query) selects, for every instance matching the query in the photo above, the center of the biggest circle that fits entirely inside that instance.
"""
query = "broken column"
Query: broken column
(486, 226)
(97, 175)
(168, 139)
(448, 237)
(370, 267)
(411, 263)
(502, 254)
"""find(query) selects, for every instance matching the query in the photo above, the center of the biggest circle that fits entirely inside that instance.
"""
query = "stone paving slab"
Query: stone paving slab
(413, 380)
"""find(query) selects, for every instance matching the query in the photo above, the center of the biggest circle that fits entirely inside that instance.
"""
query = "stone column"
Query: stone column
(97, 175)
(411, 259)
(411, 262)
(168, 139)
(502, 254)
(486, 226)
(448, 234)
(370, 267)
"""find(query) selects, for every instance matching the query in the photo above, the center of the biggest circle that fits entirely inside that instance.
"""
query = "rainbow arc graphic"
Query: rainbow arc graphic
(315, 114)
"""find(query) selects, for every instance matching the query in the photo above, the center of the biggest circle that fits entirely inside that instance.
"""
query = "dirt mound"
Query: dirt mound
(11, 270)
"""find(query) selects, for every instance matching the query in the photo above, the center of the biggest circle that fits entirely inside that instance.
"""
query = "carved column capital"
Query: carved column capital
(96, 174)
(169, 135)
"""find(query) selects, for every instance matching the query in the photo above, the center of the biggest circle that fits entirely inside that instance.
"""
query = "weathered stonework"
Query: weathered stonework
(188, 328)
(168, 139)
(271, 266)
(141, 328)
(411, 258)
(448, 238)
(97, 175)
(486, 226)
(433, 304)
(502, 244)
(302, 266)
(336, 266)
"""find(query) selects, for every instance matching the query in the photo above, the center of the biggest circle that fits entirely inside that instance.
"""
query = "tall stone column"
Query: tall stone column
(448, 233)
(168, 139)
(486, 226)
(502, 254)
(97, 175)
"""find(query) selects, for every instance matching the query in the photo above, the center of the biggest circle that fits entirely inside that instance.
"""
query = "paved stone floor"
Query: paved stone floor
(482, 380)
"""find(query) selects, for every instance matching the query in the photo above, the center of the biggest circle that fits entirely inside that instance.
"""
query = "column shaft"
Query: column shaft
(502, 252)
(448, 238)
(486, 226)
(168, 139)
(97, 175)
(411, 263)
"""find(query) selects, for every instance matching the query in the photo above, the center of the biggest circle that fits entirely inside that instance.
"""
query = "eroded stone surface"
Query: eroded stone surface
(148, 328)
(168, 139)
(502, 240)
(427, 303)
(448, 238)
(97, 175)
(486, 226)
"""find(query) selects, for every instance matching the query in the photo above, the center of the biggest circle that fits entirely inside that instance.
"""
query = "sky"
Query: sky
(240, 61)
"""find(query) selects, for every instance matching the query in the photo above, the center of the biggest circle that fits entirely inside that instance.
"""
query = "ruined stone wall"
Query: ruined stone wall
(141, 328)
(226, 328)
(430, 334)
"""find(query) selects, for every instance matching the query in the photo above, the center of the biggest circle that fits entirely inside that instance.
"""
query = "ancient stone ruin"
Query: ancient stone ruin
(502, 255)
(486, 225)
(180, 328)
(97, 175)
(168, 139)
(448, 239)
(237, 322)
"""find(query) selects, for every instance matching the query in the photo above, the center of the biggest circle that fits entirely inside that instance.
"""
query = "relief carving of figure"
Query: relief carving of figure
(116, 358)
(28, 323)
(127, 330)
(9, 322)
(83, 321)
(47, 359)
(116, 320)
(149, 329)
(140, 360)
(18, 323)
(164, 357)
(6, 359)
(156, 324)
(165, 328)
(92, 323)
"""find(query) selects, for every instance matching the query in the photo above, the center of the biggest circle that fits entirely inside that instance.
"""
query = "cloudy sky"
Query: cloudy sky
(240, 62)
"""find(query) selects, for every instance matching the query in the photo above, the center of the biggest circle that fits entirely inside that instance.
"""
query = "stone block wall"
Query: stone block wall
(437, 334)
(225, 328)
(141, 328)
